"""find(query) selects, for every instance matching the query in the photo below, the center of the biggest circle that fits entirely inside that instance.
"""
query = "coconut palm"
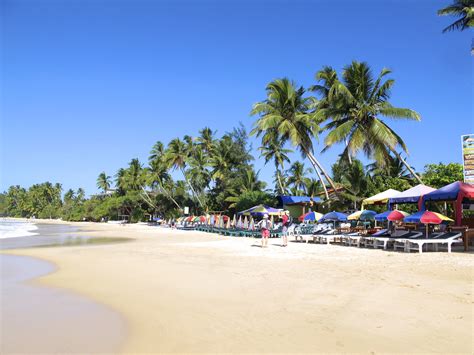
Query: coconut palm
(356, 107)
(206, 139)
(157, 151)
(275, 150)
(103, 182)
(297, 176)
(158, 177)
(176, 156)
(290, 115)
(464, 9)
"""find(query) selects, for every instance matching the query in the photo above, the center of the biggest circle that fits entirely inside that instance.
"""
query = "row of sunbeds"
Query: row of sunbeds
(404, 240)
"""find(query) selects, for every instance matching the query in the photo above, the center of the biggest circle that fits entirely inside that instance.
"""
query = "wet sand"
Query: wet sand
(193, 292)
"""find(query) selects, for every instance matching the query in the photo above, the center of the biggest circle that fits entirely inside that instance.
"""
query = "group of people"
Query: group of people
(265, 226)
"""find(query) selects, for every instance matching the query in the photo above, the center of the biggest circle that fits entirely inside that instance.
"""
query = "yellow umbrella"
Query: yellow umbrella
(354, 216)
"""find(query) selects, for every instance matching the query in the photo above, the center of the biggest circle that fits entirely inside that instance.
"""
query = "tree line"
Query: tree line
(217, 174)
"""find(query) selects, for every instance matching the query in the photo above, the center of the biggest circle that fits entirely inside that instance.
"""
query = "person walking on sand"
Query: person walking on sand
(284, 233)
(265, 228)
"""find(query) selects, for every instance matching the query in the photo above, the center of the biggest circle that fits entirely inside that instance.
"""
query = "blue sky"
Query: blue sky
(89, 85)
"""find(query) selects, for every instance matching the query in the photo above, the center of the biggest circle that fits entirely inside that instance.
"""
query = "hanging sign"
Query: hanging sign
(468, 157)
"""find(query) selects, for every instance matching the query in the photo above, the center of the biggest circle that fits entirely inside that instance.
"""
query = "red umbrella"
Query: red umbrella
(430, 218)
(190, 219)
(396, 215)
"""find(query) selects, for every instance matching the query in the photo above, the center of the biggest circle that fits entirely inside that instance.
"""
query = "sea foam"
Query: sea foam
(14, 229)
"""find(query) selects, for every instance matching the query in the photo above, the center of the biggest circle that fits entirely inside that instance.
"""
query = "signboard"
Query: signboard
(186, 210)
(468, 157)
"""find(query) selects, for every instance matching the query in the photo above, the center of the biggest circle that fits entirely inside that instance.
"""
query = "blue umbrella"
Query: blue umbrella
(334, 216)
(367, 215)
(382, 216)
(414, 218)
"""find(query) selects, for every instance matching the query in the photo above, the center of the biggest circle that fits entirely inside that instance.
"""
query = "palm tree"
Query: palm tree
(176, 157)
(355, 107)
(275, 150)
(159, 177)
(291, 116)
(103, 182)
(206, 139)
(297, 176)
(156, 152)
(464, 9)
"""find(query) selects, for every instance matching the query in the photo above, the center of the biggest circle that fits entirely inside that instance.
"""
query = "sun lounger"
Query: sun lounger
(402, 242)
(351, 239)
(368, 240)
(385, 241)
(325, 236)
(449, 239)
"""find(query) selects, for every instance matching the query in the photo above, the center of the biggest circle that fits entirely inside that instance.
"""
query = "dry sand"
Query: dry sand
(187, 292)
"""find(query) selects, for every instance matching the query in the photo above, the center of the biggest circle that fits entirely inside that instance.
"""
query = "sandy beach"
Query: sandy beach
(183, 292)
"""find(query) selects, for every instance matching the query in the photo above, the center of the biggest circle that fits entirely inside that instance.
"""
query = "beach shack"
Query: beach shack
(297, 205)
(458, 193)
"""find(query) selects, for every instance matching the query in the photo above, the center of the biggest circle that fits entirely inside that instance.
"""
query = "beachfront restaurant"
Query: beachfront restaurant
(298, 205)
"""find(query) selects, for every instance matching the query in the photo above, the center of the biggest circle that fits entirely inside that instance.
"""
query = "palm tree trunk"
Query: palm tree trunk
(313, 161)
(192, 188)
(412, 172)
(280, 184)
(169, 195)
(348, 153)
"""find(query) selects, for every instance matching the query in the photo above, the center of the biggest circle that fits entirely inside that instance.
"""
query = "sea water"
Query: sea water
(15, 229)
(39, 319)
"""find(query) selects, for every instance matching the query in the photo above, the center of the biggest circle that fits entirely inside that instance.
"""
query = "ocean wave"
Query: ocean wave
(10, 229)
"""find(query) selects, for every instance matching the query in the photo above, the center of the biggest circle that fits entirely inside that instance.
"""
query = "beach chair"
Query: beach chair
(368, 239)
(324, 236)
(449, 239)
(386, 241)
(402, 243)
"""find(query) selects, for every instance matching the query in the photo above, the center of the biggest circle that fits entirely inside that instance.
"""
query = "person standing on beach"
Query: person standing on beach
(265, 228)
(284, 233)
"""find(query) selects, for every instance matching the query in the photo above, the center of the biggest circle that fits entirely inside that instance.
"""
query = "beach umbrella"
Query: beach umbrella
(261, 210)
(228, 223)
(239, 222)
(354, 216)
(310, 216)
(397, 215)
(212, 219)
(246, 223)
(429, 217)
(271, 222)
(200, 219)
(334, 216)
(367, 215)
(382, 216)
(252, 223)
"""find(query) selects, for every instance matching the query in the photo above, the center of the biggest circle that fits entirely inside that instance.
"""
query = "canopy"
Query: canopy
(381, 197)
(451, 192)
(362, 215)
(261, 210)
(334, 216)
(296, 200)
(396, 215)
(457, 191)
(310, 216)
(412, 195)
(382, 216)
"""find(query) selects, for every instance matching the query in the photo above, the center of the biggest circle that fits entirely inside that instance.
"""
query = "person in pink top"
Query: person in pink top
(285, 219)
(265, 228)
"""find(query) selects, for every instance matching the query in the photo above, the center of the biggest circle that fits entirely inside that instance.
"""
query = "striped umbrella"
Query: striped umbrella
(310, 216)
(397, 215)
(246, 223)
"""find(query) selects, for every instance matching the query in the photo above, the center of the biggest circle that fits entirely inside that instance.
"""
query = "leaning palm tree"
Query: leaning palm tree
(356, 107)
(290, 115)
(103, 182)
(464, 9)
(157, 151)
(176, 157)
(158, 177)
(275, 150)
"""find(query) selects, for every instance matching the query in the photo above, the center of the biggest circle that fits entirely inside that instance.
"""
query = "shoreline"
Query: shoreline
(184, 291)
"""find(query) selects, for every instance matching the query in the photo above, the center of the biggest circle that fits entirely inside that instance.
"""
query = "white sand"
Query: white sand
(194, 292)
